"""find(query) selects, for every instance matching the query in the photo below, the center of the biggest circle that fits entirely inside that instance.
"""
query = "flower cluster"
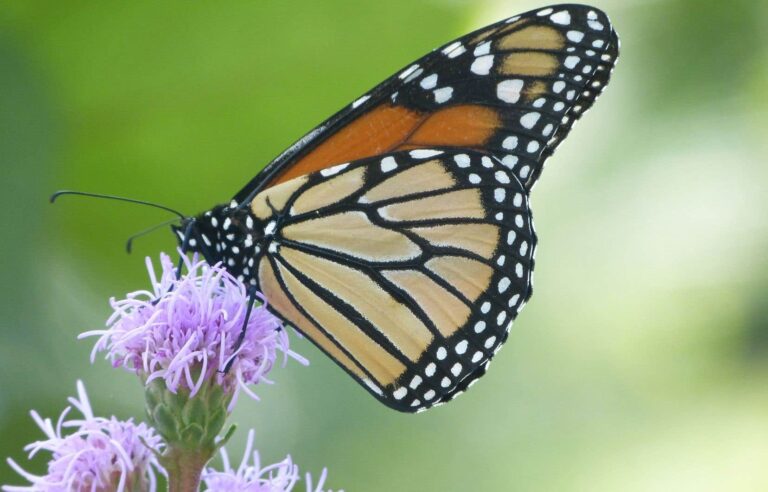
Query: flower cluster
(186, 331)
(100, 454)
(97, 454)
(252, 477)
(195, 343)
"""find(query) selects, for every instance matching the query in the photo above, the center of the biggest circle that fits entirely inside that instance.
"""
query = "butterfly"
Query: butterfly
(397, 235)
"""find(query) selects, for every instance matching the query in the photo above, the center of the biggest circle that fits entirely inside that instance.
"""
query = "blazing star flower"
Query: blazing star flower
(278, 477)
(185, 331)
(99, 454)
(182, 338)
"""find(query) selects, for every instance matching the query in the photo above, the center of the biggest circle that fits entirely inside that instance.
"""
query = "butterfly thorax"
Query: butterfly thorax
(229, 235)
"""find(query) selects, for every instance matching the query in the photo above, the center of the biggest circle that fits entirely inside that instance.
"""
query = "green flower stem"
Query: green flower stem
(184, 467)
(190, 426)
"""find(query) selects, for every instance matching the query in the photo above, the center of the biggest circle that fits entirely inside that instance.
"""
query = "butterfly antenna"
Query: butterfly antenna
(129, 242)
(116, 198)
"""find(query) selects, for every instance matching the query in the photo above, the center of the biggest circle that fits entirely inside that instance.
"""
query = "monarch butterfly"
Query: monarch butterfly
(397, 235)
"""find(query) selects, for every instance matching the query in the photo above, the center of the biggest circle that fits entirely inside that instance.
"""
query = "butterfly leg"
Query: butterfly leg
(184, 247)
(251, 300)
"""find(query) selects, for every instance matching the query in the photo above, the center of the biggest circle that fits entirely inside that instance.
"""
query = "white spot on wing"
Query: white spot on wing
(575, 36)
(482, 65)
(457, 52)
(334, 169)
(562, 18)
(360, 101)
(509, 90)
(483, 48)
(451, 47)
(461, 347)
(429, 82)
(571, 61)
(388, 164)
(462, 160)
(509, 143)
(408, 71)
(489, 343)
(424, 153)
(504, 284)
(596, 25)
(529, 120)
(373, 386)
(510, 161)
(443, 94)
(517, 200)
(414, 75)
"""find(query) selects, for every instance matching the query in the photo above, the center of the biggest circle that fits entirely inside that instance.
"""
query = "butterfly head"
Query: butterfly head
(226, 234)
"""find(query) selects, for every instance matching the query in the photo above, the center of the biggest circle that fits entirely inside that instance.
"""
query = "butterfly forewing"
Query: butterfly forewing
(410, 278)
(512, 89)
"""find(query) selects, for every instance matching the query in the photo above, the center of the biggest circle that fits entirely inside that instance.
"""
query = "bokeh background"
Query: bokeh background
(642, 361)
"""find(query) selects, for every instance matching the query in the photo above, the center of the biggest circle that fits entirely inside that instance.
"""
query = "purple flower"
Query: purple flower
(251, 477)
(185, 331)
(98, 455)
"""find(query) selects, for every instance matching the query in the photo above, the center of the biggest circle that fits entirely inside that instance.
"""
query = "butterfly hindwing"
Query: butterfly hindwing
(512, 89)
(410, 275)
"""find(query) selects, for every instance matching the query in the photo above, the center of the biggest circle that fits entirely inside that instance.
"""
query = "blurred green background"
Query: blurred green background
(642, 361)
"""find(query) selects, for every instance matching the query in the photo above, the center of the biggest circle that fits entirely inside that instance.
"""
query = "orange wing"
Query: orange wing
(512, 89)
